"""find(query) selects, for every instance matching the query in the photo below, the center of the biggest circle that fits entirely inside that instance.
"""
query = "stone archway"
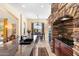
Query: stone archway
(62, 27)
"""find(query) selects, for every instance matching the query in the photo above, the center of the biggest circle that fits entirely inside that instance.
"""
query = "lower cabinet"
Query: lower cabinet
(62, 49)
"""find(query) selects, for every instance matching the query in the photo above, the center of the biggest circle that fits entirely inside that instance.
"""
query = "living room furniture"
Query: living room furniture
(25, 40)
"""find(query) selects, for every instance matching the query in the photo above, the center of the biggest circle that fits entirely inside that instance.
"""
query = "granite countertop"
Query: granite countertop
(76, 48)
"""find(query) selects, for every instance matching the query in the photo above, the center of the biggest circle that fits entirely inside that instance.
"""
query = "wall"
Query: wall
(66, 9)
(7, 12)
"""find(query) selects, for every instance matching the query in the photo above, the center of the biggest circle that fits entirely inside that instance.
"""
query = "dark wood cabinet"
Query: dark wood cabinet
(62, 49)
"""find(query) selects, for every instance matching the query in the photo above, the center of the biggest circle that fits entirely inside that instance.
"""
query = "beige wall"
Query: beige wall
(7, 12)
(29, 21)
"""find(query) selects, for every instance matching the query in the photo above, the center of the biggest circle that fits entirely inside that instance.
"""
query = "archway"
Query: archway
(62, 35)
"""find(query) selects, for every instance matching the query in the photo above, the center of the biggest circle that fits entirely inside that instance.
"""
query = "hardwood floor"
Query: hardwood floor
(42, 51)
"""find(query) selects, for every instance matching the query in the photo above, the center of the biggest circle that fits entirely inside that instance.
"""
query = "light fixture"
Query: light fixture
(49, 26)
(42, 6)
(8, 26)
(65, 19)
(23, 6)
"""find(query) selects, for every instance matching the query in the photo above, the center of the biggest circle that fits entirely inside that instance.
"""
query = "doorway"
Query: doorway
(38, 30)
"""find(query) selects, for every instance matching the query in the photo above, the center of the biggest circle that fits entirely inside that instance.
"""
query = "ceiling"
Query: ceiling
(33, 10)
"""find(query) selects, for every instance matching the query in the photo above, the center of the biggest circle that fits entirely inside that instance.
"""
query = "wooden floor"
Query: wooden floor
(42, 51)
(24, 50)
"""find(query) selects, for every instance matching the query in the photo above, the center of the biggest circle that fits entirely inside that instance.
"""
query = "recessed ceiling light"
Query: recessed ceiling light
(42, 6)
(23, 6)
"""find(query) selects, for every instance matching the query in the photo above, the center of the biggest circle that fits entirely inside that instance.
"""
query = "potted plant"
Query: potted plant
(28, 31)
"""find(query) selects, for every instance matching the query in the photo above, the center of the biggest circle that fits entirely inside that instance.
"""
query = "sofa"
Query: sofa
(25, 40)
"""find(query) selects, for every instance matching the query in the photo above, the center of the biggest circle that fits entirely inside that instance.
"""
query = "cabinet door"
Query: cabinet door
(62, 49)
